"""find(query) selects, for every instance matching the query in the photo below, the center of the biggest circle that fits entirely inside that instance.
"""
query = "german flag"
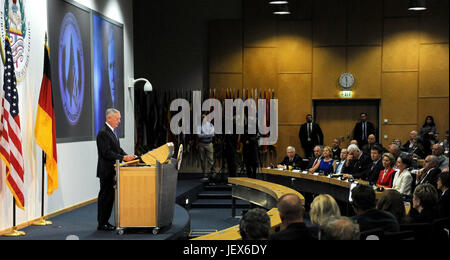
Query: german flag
(45, 131)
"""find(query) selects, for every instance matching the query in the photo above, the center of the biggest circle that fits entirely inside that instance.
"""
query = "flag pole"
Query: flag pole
(14, 232)
(42, 221)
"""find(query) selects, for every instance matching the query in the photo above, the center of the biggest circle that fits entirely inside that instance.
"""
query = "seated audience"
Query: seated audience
(317, 156)
(339, 228)
(355, 142)
(430, 171)
(395, 151)
(445, 142)
(403, 179)
(392, 201)
(376, 166)
(336, 149)
(371, 141)
(425, 204)
(367, 216)
(323, 207)
(438, 151)
(409, 144)
(291, 212)
(419, 151)
(292, 159)
(444, 199)
(326, 164)
(387, 174)
(398, 142)
(340, 166)
(358, 163)
(255, 225)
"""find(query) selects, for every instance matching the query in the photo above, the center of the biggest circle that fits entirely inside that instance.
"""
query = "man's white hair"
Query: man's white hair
(290, 148)
(354, 148)
(111, 111)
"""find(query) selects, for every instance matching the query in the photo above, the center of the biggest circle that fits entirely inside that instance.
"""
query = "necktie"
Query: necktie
(309, 131)
(364, 130)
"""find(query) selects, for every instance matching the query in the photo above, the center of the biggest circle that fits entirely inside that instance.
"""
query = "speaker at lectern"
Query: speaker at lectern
(146, 190)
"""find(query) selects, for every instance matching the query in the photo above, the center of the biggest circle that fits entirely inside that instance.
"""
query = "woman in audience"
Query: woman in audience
(428, 128)
(425, 204)
(326, 164)
(386, 175)
(392, 201)
(323, 207)
(402, 178)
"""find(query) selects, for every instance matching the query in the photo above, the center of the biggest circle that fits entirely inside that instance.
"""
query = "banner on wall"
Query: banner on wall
(70, 54)
(108, 69)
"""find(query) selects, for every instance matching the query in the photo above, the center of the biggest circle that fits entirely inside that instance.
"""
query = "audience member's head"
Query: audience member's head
(375, 152)
(363, 198)
(327, 152)
(437, 150)
(431, 161)
(255, 225)
(318, 150)
(429, 121)
(394, 150)
(355, 142)
(339, 228)
(290, 150)
(388, 160)
(392, 201)
(397, 141)
(336, 143)
(309, 118)
(443, 182)
(363, 117)
(412, 134)
(354, 151)
(323, 207)
(343, 154)
(371, 139)
(425, 196)
(403, 162)
(291, 209)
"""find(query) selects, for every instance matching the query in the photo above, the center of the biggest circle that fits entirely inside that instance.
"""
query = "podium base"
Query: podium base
(14, 233)
(42, 222)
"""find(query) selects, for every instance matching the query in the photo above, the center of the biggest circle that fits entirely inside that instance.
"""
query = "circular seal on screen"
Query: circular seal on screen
(71, 68)
(18, 29)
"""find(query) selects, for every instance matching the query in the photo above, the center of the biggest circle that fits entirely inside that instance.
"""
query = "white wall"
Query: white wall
(77, 162)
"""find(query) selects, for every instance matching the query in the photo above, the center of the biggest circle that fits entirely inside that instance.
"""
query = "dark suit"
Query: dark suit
(374, 171)
(109, 151)
(431, 177)
(316, 138)
(297, 162)
(358, 133)
(444, 205)
(359, 167)
(295, 231)
(374, 218)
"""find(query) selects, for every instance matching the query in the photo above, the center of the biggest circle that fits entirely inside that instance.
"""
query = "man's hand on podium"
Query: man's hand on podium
(128, 158)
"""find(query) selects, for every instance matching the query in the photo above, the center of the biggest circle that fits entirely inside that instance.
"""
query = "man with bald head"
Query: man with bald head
(410, 144)
(291, 211)
(371, 141)
(429, 173)
(438, 151)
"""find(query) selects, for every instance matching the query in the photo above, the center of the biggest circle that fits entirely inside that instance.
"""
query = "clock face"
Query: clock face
(346, 80)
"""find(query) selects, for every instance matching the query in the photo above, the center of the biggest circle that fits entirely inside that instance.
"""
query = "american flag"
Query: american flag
(10, 138)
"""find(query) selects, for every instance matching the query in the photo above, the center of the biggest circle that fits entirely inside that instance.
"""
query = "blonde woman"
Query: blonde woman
(323, 207)
(326, 164)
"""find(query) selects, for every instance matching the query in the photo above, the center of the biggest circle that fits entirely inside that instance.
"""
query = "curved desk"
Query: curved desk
(259, 192)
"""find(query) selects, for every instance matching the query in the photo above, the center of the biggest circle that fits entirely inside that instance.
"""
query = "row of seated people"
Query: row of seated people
(392, 169)
(325, 222)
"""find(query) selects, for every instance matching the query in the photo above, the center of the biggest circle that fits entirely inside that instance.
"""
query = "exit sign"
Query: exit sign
(346, 94)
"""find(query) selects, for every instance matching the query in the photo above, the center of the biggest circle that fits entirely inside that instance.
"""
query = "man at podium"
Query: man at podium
(109, 151)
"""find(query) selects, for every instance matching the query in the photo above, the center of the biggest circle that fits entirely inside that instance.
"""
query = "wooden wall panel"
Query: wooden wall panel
(436, 107)
(257, 9)
(294, 46)
(365, 64)
(294, 98)
(260, 33)
(260, 68)
(225, 46)
(225, 81)
(434, 61)
(363, 14)
(397, 8)
(401, 44)
(300, 10)
(329, 23)
(395, 131)
(399, 97)
(434, 23)
(328, 64)
(288, 136)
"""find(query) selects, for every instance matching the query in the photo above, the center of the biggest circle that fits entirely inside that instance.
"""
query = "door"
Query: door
(337, 118)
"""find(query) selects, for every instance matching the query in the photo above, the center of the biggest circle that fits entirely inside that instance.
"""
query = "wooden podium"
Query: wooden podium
(145, 194)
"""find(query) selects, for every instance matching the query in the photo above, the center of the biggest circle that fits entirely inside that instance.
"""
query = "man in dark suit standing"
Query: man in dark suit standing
(310, 135)
(109, 151)
(362, 130)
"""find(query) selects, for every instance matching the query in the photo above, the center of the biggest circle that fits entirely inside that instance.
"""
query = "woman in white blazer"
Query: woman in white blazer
(403, 179)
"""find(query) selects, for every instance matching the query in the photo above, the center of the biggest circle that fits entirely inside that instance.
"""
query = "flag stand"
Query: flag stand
(14, 232)
(42, 221)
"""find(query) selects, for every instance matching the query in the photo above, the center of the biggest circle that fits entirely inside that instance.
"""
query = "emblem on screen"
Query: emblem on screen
(71, 68)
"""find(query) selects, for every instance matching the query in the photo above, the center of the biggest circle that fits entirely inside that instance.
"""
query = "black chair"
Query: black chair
(422, 231)
(373, 234)
(401, 235)
(441, 229)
